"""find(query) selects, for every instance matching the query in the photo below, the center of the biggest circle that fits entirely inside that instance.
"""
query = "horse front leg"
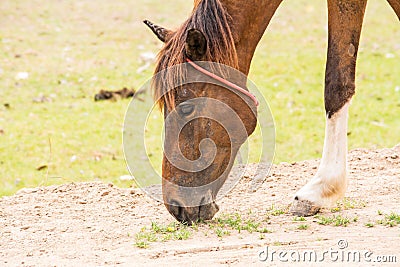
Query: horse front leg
(330, 182)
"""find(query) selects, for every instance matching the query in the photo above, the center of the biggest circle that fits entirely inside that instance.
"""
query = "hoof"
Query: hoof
(303, 208)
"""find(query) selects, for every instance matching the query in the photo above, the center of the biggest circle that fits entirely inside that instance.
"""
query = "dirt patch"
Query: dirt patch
(94, 224)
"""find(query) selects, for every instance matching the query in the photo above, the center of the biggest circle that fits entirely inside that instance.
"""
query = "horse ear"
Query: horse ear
(196, 45)
(163, 34)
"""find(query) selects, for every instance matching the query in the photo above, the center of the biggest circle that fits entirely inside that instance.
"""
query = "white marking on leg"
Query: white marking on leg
(330, 182)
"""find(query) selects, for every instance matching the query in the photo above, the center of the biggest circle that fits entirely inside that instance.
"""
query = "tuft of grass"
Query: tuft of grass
(143, 238)
(303, 227)
(251, 226)
(324, 220)
(182, 234)
(142, 244)
(274, 211)
(347, 204)
(235, 222)
(299, 219)
(336, 209)
(162, 233)
(369, 224)
(341, 221)
(392, 219)
(336, 220)
(264, 230)
(220, 232)
(232, 220)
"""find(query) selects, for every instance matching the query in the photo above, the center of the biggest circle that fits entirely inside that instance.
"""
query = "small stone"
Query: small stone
(126, 178)
(73, 158)
(105, 193)
(22, 75)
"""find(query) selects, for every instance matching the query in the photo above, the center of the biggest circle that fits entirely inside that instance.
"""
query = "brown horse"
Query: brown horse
(227, 32)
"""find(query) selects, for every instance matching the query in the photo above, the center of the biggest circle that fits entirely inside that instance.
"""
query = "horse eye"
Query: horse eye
(186, 109)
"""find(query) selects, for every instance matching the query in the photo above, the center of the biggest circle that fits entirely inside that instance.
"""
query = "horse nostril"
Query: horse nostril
(207, 211)
(181, 214)
(177, 210)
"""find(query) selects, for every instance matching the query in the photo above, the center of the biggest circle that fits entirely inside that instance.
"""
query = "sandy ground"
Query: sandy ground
(94, 224)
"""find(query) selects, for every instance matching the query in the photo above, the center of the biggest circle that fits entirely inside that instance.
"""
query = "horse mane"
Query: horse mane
(209, 17)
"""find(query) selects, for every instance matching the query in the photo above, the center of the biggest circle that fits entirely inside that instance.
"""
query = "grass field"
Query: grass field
(55, 55)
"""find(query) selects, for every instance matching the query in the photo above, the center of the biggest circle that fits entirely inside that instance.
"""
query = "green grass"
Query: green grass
(221, 226)
(303, 227)
(236, 222)
(226, 224)
(162, 233)
(336, 220)
(72, 49)
(299, 219)
(392, 219)
(324, 220)
(369, 224)
(348, 203)
(222, 232)
(276, 211)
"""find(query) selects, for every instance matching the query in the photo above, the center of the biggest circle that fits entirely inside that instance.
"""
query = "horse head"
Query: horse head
(205, 122)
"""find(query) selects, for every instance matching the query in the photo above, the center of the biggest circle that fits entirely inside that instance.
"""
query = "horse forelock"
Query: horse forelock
(209, 17)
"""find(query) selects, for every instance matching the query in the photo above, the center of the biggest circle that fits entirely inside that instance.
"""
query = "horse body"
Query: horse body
(243, 24)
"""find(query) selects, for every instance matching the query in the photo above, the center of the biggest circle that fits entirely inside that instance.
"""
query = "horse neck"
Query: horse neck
(251, 18)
